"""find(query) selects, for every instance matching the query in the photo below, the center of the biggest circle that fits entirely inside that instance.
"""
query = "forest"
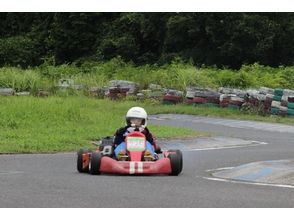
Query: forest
(218, 40)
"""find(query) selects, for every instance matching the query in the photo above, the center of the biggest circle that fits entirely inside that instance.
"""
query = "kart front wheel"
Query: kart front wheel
(176, 161)
(80, 161)
(95, 163)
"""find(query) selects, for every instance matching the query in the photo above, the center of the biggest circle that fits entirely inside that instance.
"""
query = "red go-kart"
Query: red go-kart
(103, 160)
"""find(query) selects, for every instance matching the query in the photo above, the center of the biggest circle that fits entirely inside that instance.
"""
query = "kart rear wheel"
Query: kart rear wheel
(176, 161)
(80, 161)
(95, 163)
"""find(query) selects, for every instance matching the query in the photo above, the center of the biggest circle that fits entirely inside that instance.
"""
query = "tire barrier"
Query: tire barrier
(172, 97)
(282, 103)
(262, 101)
(7, 92)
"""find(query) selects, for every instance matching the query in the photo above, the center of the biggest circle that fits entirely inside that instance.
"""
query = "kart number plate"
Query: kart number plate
(136, 143)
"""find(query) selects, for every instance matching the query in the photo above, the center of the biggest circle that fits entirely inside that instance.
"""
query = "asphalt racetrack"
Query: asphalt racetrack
(51, 180)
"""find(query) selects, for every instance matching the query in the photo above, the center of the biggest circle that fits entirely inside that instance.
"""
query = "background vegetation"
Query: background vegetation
(241, 50)
(177, 75)
(211, 39)
(175, 50)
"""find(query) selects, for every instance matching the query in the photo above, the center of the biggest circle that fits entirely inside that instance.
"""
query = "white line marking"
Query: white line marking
(140, 167)
(10, 172)
(159, 119)
(132, 167)
(253, 144)
(217, 148)
(259, 143)
(219, 169)
(250, 183)
(220, 148)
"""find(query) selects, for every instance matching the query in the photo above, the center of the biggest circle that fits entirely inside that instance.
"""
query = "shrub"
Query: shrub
(19, 50)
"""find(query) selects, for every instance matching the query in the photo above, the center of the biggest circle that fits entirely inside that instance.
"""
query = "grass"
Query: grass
(177, 75)
(61, 124)
(68, 120)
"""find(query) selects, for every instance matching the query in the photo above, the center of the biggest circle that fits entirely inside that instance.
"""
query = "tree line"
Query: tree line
(211, 39)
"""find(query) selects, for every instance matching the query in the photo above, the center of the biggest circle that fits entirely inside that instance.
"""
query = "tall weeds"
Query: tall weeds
(177, 75)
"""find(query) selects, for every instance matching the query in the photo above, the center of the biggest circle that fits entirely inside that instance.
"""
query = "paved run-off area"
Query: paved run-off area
(279, 173)
(51, 180)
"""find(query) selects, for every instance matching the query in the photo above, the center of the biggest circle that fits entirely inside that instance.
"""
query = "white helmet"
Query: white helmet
(137, 112)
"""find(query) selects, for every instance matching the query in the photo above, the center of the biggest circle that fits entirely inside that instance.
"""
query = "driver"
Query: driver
(136, 119)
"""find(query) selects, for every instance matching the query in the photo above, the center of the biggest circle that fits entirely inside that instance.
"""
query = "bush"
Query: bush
(19, 50)
(21, 80)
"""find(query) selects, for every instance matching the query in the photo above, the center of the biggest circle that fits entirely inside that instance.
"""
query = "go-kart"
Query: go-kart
(103, 159)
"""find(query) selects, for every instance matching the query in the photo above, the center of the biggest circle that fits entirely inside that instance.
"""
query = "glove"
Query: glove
(158, 151)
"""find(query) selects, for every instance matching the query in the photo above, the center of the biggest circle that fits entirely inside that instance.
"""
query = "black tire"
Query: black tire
(176, 161)
(80, 161)
(95, 163)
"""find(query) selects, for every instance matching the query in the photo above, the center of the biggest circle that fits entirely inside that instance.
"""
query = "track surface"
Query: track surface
(52, 181)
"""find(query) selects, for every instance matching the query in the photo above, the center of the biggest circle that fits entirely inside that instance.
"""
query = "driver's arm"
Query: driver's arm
(119, 136)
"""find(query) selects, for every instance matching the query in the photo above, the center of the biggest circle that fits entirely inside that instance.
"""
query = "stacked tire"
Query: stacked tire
(202, 97)
(231, 101)
(277, 107)
(283, 102)
(172, 97)
(290, 105)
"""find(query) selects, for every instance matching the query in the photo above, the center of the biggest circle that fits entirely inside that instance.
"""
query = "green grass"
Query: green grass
(60, 124)
(69, 120)
(63, 124)
(177, 75)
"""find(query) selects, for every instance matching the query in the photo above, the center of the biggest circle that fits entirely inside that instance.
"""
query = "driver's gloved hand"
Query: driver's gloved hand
(158, 151)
